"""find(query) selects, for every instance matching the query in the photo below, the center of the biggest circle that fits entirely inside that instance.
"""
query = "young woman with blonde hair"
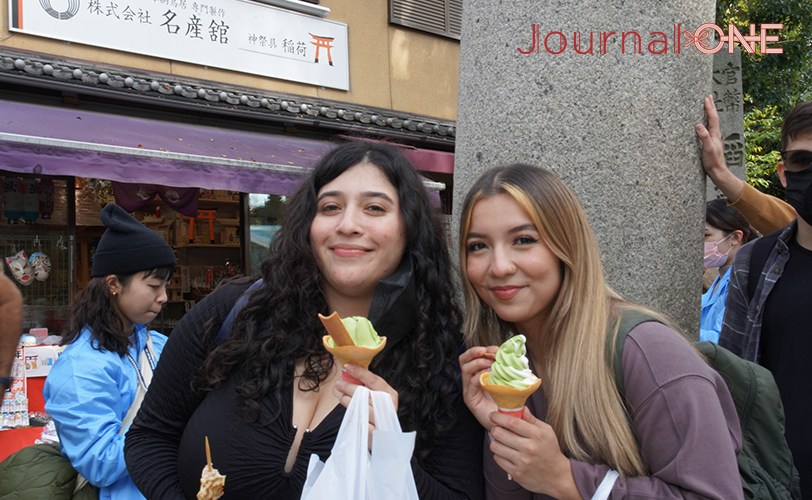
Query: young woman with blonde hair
(535, 270)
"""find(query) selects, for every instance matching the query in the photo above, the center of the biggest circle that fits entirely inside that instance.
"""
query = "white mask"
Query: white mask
(20, 268)
(41, 265)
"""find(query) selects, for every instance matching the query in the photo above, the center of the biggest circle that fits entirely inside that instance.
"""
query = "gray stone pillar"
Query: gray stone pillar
(727, 93)
(617, 127)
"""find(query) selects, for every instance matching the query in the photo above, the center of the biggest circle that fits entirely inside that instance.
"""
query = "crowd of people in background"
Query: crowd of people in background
(767, 313)
(360, 238)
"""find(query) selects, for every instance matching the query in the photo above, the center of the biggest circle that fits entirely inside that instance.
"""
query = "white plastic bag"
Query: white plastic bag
(351, 472)
(390, 472)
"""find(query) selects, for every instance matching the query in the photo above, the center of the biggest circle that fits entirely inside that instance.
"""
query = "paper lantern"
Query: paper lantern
(13, 194)
(46, 198)
(30, 200)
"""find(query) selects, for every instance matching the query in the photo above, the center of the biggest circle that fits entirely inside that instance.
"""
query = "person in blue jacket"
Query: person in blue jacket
(726, 230)
(96, 386)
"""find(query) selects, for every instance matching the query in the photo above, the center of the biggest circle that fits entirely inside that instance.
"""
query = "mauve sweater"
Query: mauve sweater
(684, 420)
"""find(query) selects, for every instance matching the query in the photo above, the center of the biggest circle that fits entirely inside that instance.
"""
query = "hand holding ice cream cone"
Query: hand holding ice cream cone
(510, 381)
(352, 341)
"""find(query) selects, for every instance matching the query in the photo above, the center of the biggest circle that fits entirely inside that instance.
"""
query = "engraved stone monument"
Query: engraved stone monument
(727, 94)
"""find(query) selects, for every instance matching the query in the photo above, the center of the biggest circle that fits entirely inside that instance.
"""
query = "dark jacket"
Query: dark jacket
(741, 329)
(41, 472)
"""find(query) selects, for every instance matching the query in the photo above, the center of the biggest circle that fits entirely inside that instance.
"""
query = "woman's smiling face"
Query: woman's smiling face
(357, 234)
(510, 267)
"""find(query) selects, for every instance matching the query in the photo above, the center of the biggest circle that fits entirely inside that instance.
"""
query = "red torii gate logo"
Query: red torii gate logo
(323, 41)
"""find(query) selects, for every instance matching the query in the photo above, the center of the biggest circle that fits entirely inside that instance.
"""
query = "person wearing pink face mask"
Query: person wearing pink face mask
(726, 230)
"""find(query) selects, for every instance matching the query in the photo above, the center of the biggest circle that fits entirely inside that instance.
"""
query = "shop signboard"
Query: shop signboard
(40, 359)
(237, 35)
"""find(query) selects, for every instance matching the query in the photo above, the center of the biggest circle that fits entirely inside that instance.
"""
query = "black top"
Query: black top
(786, 345)
(165, 446)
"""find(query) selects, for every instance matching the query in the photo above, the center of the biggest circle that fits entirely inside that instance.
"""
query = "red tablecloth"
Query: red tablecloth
(12, 440)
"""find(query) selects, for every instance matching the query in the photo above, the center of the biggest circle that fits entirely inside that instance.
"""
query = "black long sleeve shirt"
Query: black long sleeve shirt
(165, 446)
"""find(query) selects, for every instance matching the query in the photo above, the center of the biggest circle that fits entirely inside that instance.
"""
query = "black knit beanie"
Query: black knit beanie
(127, 246)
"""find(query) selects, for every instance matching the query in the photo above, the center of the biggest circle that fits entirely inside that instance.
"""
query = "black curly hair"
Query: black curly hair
(279, 323)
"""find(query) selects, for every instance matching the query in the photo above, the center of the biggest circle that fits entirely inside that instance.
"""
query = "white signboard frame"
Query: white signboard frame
(238, 35)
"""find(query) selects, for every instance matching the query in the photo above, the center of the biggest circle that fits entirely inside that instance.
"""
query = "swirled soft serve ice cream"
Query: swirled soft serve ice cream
(361, 332)
(510, 381)
(511, 367)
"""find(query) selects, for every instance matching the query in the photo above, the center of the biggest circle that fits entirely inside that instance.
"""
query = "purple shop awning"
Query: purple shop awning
(426, 160)
(45, 140)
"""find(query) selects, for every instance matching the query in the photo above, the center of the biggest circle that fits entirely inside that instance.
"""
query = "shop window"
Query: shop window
(36, 242)
(310, 7)
(264, 213)
(204, 235)
(207, 248)
(440, 17)
(59, 218)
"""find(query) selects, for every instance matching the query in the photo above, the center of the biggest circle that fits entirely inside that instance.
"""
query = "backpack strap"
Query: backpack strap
(761, 250)
(614, 352)
(225, 328)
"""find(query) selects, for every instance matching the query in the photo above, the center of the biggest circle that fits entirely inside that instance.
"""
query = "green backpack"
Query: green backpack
(765, 461)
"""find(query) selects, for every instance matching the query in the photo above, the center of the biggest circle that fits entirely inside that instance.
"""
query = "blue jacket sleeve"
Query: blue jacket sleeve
(88, 393)
(84, 397)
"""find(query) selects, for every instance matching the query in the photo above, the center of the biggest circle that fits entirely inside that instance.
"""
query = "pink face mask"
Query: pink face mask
(712, 256)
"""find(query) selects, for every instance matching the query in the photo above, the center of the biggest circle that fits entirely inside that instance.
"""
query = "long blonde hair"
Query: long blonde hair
(583, 404)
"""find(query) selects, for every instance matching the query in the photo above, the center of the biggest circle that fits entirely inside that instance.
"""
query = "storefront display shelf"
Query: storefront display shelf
(209, 202)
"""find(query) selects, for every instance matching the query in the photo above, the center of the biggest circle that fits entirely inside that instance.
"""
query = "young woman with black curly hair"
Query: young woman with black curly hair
(360, 238)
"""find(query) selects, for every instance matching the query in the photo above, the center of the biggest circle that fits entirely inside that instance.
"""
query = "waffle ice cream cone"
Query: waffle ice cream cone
(359, 356)
(345, 351)
(508, 399)
(354, 355)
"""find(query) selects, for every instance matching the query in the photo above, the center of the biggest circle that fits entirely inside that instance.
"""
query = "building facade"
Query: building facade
(143, 101)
